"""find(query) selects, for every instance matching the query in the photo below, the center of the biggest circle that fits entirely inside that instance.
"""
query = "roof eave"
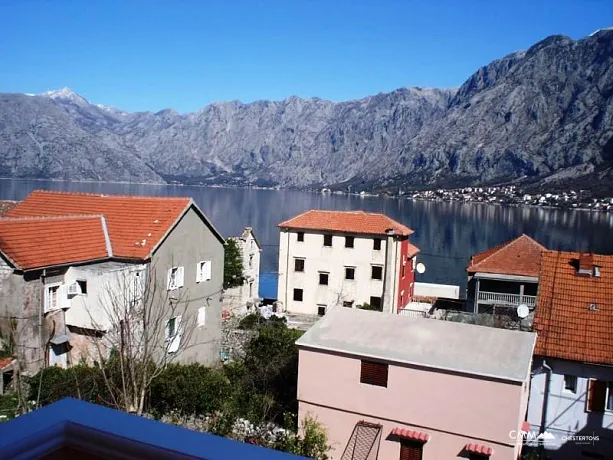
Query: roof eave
(65, 264)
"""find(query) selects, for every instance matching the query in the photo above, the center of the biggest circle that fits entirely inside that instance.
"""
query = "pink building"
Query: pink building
(396, 387)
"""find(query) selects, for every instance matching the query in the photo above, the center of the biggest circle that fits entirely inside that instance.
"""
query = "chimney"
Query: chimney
(585, 264)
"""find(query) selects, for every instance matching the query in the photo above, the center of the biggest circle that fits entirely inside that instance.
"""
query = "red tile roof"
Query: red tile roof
(568, 326)
(479, 449)
(5, 362)
(412, 250)
(520, 257)
(410, 434)
(6, 206)
(136, 224)
(346, 222)
(42, 242)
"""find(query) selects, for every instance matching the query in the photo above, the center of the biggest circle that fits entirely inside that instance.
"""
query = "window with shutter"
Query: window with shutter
(596, 396)
(180, 279)
(373, 373)
(411, 450)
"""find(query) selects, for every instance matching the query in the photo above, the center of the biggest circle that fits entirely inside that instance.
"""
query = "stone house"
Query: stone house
(241, 298)
(64, 254)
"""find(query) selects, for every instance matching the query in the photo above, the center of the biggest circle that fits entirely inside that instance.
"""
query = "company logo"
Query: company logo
(530, 437)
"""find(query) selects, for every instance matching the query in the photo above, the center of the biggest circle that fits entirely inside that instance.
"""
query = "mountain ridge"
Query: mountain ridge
(544, 115)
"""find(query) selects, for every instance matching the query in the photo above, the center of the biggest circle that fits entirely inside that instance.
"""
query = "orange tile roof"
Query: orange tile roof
(567, 328)
(6, 206)
(136, 224)
(413, 250)
(346, 222)
(520, 256)
(46, 241)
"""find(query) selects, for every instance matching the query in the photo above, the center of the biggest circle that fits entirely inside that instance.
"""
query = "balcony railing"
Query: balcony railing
(497, 298)
(412, 313)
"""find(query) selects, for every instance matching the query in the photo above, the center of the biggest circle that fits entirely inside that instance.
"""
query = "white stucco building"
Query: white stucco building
(571, 394)
(246, 295)
(334, 258)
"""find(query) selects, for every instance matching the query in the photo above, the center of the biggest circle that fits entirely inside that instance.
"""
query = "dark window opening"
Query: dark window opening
(349, 273)
(323, 278)
(403, 270)
(411, 450)
(377, 272)
(473, 456)
(298, 265)
(376, 244)
(373, 373)
(327, 240)
(349, 241)
(348, 304)
(82, 286)
(375, 303)
(321, 310)
(298, 295)
(596, 396)
(300, 236)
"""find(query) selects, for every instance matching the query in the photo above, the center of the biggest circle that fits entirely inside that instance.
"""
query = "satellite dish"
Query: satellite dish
(523, 311)
(420, 268)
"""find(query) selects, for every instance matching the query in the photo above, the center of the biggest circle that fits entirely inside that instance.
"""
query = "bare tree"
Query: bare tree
(145, 327)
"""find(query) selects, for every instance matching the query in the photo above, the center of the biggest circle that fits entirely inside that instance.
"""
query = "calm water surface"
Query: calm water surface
(447, 233)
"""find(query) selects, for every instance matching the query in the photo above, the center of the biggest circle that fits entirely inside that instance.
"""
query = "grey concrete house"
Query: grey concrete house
(63, 255)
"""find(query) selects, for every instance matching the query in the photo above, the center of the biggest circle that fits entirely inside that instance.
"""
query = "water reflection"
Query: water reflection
(447, 233)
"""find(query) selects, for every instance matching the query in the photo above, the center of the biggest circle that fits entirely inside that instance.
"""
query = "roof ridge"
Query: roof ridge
(110, 195)
(497, 249)
(64, 217)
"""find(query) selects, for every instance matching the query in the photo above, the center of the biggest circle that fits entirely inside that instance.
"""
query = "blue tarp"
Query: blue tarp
(268, 285)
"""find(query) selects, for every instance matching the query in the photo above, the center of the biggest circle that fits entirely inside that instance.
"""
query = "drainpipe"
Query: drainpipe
(287, 271)
(545, 401)
(40, 316)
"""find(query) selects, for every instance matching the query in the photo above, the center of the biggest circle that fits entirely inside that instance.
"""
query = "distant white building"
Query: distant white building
(245, 296)
(334, 258)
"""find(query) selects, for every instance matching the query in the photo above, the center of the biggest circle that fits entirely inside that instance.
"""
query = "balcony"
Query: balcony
(500, 299)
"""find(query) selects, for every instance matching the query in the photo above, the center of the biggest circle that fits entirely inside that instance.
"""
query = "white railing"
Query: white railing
(506, 299)
(412, 313)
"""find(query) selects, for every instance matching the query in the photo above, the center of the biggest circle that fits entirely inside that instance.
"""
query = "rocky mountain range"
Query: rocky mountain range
(542, 116)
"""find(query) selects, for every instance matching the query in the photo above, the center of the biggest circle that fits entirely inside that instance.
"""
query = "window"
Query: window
(203, 271)
(300, 236)
(373, 373)
(599, 396)
(328, 240)
(323, 278)
(473, 456)
(349, 273)
(298, 295)
(201, 316)
(348, 304)
(412, 450)
(251, 289)
(298, 265)
(321, 310)
(173, 334)
(82, 286)
(54, 295)
(58, 355)
(570, 383)
(403, 266)
(376, 244)
(251, 261)
(349, 241)
(377, 272)
(375, 303)
(175, 278)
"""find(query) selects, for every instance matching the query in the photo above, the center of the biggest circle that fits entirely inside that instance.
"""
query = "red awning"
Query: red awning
(410, 434)
(526, 427)
(478, 449)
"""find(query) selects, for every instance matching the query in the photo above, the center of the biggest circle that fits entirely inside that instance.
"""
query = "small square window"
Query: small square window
(375, 303)
(377, 272)
(348, 304)
(298, 265)
(251, 261)
(570, 383)
(323, 278)
(321, 310)
(376, 244)
(328, 240)
(373, 373)
(300, 236)
(298, 295)
(349, 241)
(349, 273)
(82, 286)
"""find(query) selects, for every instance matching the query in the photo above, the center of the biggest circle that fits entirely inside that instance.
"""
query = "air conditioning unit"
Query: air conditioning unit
(74, 289)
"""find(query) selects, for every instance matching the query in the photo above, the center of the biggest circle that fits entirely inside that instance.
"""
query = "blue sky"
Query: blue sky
(184, 54)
